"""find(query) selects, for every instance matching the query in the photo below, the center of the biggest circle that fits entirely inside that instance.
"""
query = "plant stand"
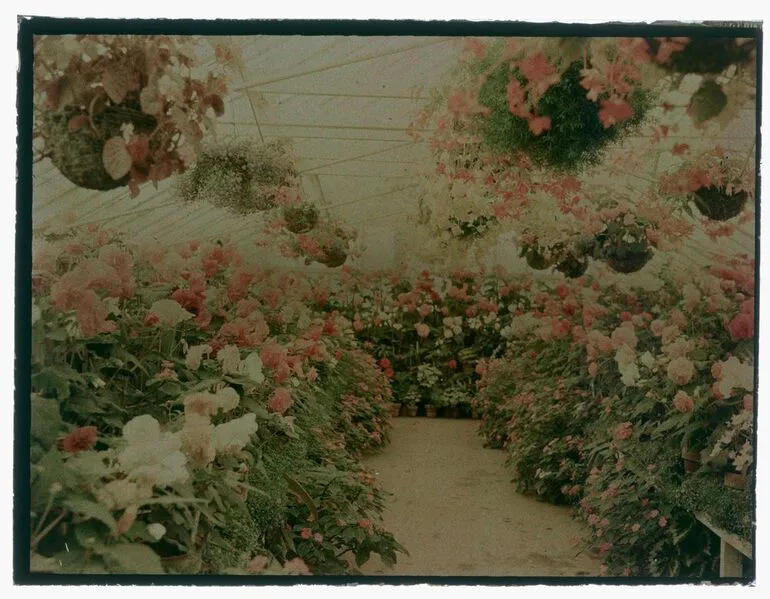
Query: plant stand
(730, 551)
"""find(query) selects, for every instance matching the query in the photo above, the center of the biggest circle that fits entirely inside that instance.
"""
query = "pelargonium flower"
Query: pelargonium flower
(681, 371)
(80, 439)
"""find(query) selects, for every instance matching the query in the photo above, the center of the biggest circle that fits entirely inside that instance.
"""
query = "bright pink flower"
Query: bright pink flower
(515, 96)
(662, 522)
(452, 364)
(306, 533)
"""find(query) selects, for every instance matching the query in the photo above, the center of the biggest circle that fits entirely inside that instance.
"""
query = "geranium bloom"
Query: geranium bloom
(612, 113)
(681, 371)
(423, 330)
(683, 402)
(623, 431)
(80, 439)
(741, 327)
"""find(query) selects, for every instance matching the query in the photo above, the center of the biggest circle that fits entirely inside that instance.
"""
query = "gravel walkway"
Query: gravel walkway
(457, 513)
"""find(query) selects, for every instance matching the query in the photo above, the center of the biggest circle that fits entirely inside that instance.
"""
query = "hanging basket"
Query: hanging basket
(624, 247)
(300, 219)
(716, 204)
(335, 255)
(240, 176)
(572, 267)
(707, 56)
(537, 258)
(79, 154)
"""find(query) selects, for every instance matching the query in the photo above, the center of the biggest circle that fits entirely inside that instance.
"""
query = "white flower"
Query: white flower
(227, 399)
(230, 358)
(150, 453)
(169, 312)
(195, 355)
(156, 530)
(625, 356)
(647, 360)
(251, 366)
(235, 435)
(629, 375)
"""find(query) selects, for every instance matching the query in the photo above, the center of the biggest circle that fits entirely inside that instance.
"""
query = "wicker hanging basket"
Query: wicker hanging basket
(79, 154)
(716, 204)
(301, 218)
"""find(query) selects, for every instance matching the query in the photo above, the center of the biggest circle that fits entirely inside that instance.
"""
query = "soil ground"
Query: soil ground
(455, 510)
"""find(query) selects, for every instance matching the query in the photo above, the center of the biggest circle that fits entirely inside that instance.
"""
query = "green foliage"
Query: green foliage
(576, 137)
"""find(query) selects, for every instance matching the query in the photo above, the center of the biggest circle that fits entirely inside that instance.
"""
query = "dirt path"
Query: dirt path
(457, 513)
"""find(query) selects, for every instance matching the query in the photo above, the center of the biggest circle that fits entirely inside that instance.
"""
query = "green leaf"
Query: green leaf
(363, 556)
(46, 420)
(133, 558)
(91, 509)
(306, 499)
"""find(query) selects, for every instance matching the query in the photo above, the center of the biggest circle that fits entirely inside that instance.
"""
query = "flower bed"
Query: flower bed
(192, 413)
(601, 390)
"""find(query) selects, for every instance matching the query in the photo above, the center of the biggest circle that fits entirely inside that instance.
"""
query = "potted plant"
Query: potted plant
(411, 400)
(571, 260)
(242, 176)
(551, 107)
(704, 55)
(717, 184)
(116, 110)
(537, 257)
(623, 244)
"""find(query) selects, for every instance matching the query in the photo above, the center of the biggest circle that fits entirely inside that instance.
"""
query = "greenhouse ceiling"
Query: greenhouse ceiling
(345, 104)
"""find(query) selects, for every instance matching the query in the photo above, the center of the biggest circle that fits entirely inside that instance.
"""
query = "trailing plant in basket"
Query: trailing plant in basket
(115, 110)
(242, 176)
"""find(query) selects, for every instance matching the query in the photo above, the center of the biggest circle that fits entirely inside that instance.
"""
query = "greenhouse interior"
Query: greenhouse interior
(390, 305)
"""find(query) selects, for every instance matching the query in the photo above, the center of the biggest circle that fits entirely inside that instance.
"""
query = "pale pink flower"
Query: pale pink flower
(683, 402)
(423, 330)
(280, 400)
(681, 371)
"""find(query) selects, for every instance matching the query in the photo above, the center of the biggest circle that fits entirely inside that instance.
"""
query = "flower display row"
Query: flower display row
(193, 413)
(636, 407)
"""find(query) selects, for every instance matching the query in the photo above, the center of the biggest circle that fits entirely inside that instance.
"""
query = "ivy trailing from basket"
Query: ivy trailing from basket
(577, 129)
(623, 245)
(705, 55)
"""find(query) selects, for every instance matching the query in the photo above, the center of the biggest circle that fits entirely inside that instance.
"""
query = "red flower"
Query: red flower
(539, 124)
(306, 533)
(79, 440)
(452, 364)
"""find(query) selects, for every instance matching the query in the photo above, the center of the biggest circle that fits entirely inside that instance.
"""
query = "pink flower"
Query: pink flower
(741, 327)
(423, 330)
(539, 124)
(683, 402)
(662, 522)
(593, 369)
(280, 400)
(452, 364)
(296, 566)
(623, 431)
(681, 371)
(306, 533)
(318, 537)
(612, 113)
(657, 326)
(515, 97)
(79, 440)
(635, 528)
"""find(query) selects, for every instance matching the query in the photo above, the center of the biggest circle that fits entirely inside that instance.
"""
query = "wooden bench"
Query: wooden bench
(731, 549)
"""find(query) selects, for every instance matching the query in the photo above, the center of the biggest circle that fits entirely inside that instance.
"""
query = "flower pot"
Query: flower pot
(79, 154)
(716, 204)
(691, 460)
(395, 409)
(411, 411)
(430, 411)
(535, 257)
(335, 256)
(735, 480)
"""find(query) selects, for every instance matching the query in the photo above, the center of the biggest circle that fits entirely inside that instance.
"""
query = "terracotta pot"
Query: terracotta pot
(691, 460)
(430, 411)
(734, 480)
(395, 409)
(411, 411)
